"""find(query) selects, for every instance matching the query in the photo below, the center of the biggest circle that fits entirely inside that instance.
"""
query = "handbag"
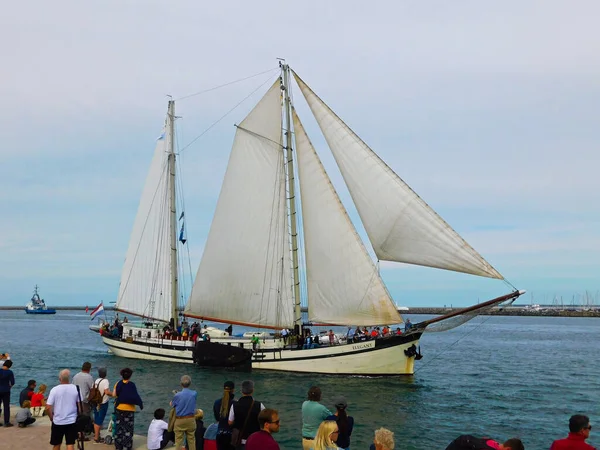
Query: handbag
(83, 422)
(236, 433)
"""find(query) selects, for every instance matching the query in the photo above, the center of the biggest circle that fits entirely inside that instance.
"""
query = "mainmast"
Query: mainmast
(291, 189)
(173, 211)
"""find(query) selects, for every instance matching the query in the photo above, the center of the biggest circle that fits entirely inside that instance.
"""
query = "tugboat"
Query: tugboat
(37, 306)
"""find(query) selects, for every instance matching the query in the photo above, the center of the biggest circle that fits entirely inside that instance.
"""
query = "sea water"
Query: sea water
(494, 376)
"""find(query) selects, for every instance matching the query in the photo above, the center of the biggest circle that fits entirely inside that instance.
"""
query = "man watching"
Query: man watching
(579, 431)
(268, 420)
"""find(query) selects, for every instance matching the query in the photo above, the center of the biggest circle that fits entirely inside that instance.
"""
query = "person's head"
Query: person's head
(159, 414)
(247, 387)
(327, 435)
(102, 372)
(512, 444)
(228, 394)
(86, 367)
(384, 439)
(64, 376)
(580, 424)
(8, 363)
(126, 373)
(314, 393)
(199, 414)
(26, 404)
(31, 384)
(42, 388)
(268, 420)
(340, 403)
(186, 381)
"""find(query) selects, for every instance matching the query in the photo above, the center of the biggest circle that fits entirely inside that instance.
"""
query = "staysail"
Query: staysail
(145, 287)
(343, 284)
(400, 225)
(244, 274)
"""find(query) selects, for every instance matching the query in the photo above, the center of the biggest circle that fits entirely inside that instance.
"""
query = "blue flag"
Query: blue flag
(181, 238)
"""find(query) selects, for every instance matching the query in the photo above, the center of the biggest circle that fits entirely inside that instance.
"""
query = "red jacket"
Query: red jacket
(572, 442)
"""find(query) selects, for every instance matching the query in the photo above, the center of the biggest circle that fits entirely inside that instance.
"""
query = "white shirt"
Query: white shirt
(155, 433)
(102, 384)
(63, 399)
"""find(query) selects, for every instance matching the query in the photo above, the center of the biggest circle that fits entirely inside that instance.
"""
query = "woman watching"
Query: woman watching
(326, 436)
(126, 398)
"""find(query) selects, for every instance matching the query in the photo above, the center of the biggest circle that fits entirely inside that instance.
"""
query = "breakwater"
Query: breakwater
(550, 311)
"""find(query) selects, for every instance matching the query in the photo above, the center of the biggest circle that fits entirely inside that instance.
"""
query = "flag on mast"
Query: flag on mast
(97, 311)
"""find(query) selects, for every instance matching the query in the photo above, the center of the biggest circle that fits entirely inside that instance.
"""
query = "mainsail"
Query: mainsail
(244, 274)
(343, 284)
(145, 287)
(399, 224)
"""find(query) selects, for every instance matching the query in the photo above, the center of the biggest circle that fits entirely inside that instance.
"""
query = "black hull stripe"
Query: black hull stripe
(379, 345)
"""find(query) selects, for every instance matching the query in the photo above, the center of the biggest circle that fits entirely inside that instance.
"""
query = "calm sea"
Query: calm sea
(494, 376)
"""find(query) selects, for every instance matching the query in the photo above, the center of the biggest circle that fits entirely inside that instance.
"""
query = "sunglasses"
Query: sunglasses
(589, 427)
(276, 422)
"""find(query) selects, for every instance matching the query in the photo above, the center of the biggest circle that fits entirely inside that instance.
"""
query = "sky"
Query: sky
(489, 111)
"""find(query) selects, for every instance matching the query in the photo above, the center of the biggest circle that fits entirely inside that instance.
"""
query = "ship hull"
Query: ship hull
(40, 311)
(380, 357)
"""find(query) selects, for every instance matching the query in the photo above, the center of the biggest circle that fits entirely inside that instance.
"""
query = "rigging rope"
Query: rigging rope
(225, 115)
(226, 84)
(440, 353)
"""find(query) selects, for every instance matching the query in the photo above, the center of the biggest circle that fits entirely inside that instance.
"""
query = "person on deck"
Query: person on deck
(579, 431)
(407, 325)
(313, 413)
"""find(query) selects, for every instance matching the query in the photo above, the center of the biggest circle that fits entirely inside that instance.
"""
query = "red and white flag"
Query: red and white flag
(97, 311)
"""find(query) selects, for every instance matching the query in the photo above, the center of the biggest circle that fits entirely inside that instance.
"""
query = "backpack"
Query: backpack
(95, 396)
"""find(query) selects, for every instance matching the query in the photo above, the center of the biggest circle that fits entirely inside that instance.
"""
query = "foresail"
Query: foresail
(145, 287)
(244, 274)
(400, 225)
(344, 286)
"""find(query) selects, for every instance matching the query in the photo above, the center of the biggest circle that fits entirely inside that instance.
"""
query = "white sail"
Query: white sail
(244, 275)
(400, 225)
(145, 287)
(344, 286)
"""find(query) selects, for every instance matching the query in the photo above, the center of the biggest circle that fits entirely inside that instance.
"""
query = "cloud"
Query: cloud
(488, 111)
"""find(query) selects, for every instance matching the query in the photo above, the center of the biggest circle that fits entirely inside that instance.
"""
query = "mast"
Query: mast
(173, 211)
(292, 197)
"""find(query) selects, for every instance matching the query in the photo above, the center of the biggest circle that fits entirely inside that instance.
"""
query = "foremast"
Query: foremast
(173, 211)
(285, 69)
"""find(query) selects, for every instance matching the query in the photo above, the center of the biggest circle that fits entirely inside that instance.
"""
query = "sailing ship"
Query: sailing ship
(37, 305)
(250, 272)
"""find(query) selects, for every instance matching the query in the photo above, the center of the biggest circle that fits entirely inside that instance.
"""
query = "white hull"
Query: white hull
(376, 357)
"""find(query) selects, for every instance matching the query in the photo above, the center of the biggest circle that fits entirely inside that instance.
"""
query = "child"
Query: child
(23, 416)
(38, 402)
(158, 436)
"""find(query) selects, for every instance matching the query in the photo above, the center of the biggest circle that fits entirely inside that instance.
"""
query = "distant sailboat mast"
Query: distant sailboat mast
(292, 196)
(173, 211)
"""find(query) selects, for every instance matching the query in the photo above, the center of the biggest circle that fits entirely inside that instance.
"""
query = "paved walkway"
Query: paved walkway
(37, 437)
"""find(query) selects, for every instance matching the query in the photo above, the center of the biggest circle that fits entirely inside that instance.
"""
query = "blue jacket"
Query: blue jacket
(7, 380)
(127, 393)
